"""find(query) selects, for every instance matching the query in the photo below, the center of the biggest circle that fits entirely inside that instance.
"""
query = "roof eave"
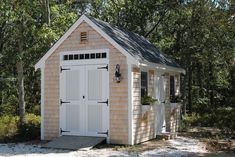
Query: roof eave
(162, 67)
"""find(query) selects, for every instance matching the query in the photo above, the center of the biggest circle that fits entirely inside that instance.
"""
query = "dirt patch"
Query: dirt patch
(145, 146)
(215, 140)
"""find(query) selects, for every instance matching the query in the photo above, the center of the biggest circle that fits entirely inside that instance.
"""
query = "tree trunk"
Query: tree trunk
(47, 12)
(190, 75)
(211, 85)
(20, 85)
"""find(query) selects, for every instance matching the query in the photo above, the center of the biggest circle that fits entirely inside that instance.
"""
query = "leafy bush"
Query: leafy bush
(31, 128)
(188, 121)
(226, 119)
(8, 127)
(222, 118)
(10, 131)
(147, 100)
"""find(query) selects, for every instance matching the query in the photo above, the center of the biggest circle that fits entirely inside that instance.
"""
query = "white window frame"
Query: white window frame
(84, 61)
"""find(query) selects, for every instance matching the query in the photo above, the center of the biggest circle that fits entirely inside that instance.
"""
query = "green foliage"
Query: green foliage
(11, 131)
(189, 121)
(225, 119)
(175, 99)
(147, 100)
(31, 128)
(8, 127)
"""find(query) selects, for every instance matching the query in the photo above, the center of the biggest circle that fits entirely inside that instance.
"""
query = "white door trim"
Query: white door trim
(104, 61)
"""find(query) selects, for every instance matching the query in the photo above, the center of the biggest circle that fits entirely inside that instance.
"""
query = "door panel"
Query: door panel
(94, 118)
(71, 111)
(72, 118)
(94, 84)
(97, 85)
(160, 122)
(73, 84)
(83, 89)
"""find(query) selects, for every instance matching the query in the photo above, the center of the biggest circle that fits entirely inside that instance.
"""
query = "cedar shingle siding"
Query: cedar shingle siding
(118, 92)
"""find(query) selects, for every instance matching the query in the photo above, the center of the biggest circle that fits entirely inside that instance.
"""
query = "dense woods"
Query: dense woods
(199, 34)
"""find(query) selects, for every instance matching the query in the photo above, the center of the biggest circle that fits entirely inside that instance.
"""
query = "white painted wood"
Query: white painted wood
(73, 85)
(161, 67)
(42, 102)
(85, 61)
(160, 123)
(71, 113)
(83, 87)
(130, 105)
(96, 91)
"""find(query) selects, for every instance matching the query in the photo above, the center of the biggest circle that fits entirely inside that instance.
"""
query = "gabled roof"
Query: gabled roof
(139, 47)
(135, 47)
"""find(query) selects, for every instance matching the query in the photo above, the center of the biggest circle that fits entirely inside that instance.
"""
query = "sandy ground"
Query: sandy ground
(179, 147)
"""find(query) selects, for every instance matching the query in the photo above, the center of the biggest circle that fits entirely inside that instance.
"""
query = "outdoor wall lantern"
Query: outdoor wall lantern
(118, 74)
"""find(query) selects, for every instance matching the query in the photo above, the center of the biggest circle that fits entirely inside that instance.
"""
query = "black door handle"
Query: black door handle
(83, 97)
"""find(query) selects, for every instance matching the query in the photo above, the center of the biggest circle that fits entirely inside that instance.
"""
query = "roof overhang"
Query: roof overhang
(162, 67)
(41, 62)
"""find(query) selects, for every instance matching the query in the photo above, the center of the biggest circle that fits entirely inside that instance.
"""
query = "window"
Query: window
(144, 84)
(83, 37)
(85, 56)
(172, 86)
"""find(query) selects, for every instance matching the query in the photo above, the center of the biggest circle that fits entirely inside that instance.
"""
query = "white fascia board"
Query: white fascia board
(162, 67)
(41, 62)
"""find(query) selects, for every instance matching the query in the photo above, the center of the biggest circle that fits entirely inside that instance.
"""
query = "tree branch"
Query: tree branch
(156, 25)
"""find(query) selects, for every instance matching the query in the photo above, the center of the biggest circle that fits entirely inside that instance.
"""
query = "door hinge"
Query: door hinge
(64, 102)
(106, 67)
(104, 102)
(61, 131)
(106, 133)
(62, 69)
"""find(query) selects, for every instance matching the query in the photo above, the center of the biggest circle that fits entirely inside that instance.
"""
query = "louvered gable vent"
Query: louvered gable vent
(83, 36)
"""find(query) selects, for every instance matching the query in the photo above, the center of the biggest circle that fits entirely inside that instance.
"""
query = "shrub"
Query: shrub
(8, 127)
(10, 131)
(225, 119)
(189, 120)
(31, 128)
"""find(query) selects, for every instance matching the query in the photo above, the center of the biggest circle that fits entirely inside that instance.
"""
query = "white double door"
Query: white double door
(84, 100)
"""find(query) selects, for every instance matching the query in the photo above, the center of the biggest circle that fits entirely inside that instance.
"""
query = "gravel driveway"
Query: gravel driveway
(178, 147)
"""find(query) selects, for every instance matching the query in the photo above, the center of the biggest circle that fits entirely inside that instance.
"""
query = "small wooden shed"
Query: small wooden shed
(92, 81)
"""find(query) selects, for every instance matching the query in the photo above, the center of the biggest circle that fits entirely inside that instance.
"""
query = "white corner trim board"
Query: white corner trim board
(41, 62)
(130, 105)
(42, 103)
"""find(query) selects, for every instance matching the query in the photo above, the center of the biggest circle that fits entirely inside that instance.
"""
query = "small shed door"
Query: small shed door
(84, 100)
(160, 107)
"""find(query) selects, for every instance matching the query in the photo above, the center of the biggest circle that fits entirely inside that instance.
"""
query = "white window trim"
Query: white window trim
(84, 61)
(144, 69)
